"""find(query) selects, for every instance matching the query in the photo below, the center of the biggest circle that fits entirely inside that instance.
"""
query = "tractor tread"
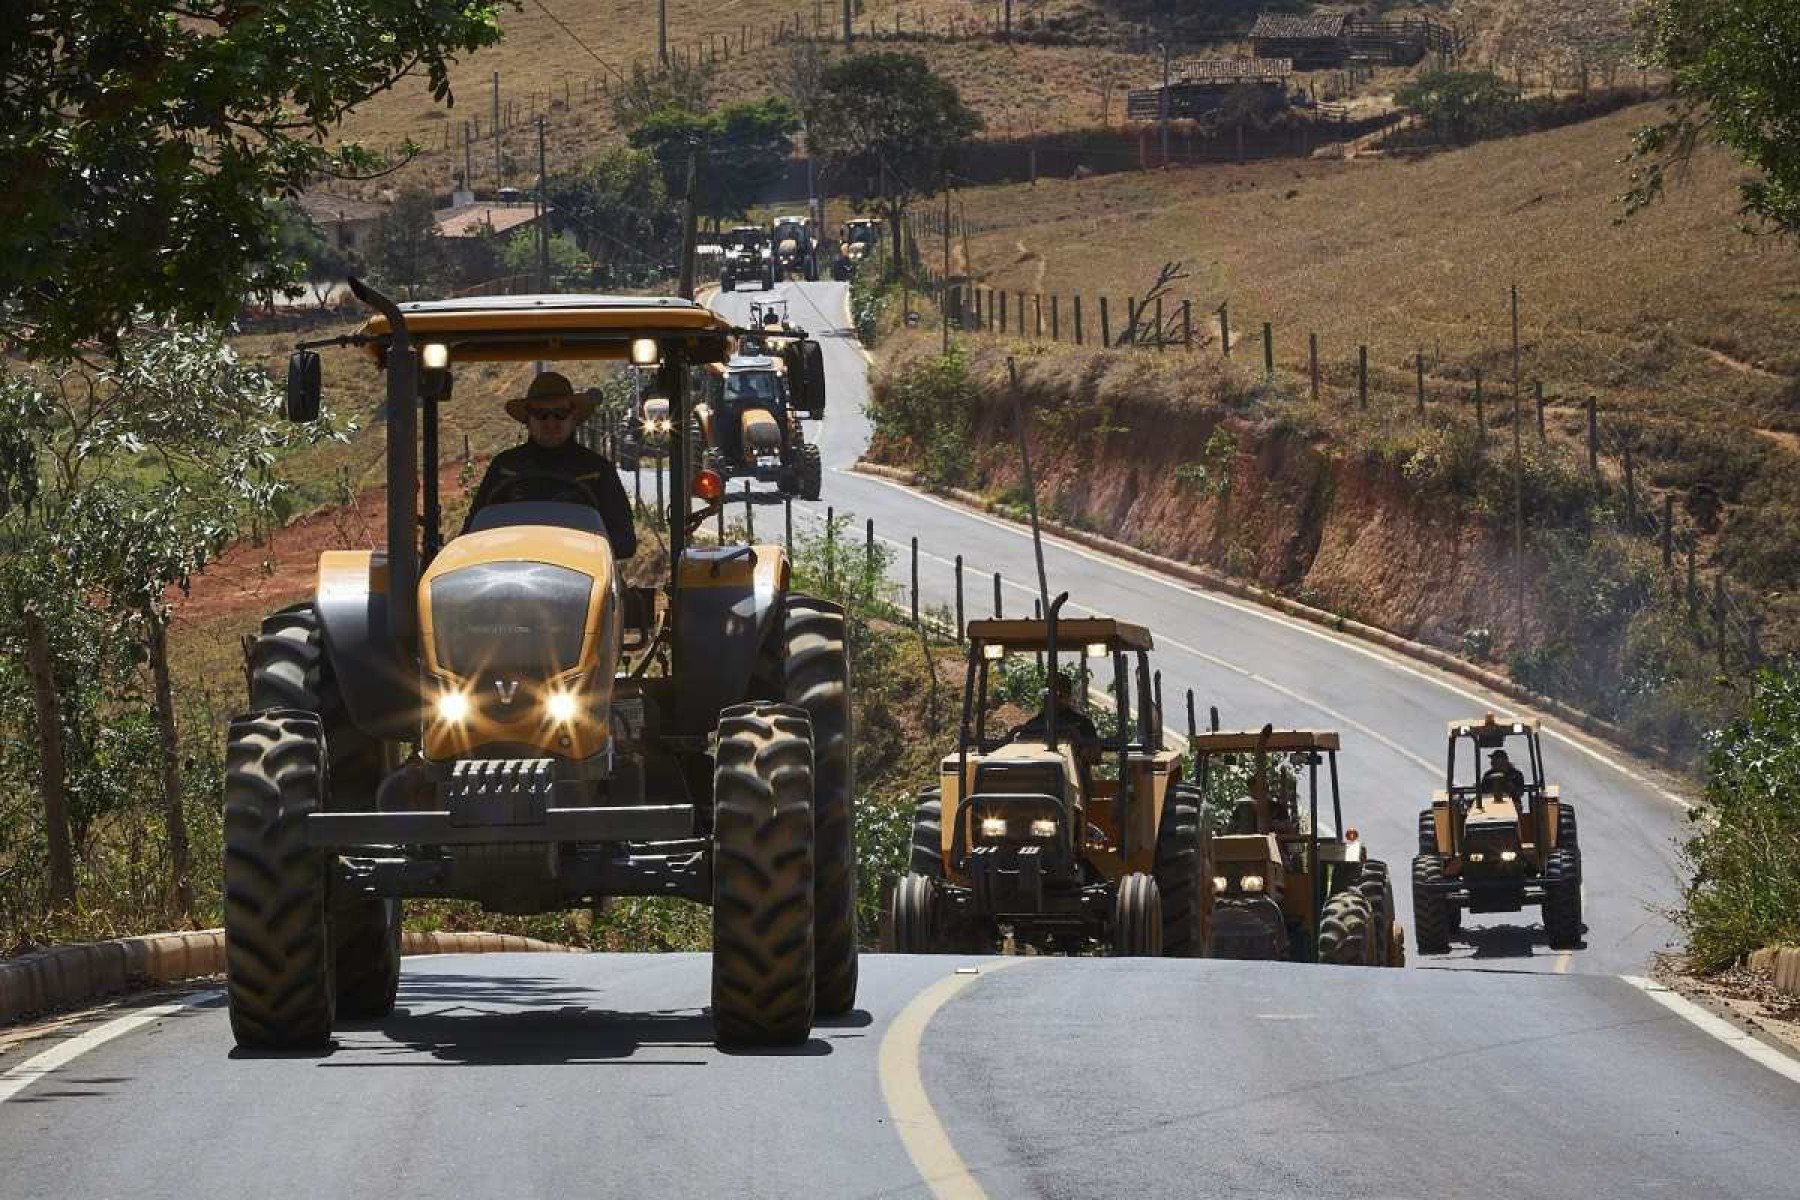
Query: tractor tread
(1182, 876)
(1347, 933)
(1431, 912)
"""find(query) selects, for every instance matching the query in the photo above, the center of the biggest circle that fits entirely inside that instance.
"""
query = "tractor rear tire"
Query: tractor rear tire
(278, 959)
(1183, 876)
(927, 857)
(1347, 932)
(1431, 911)
(1137, 928)
(1567, 835)
(914, 915)
(762, 920)
(817, 670)
(1378, 889)
(1562, 899)
(812, 472)
(289, 669)
(1428, 832)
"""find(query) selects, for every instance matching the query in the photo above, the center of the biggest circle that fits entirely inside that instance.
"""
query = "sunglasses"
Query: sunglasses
(549, 414)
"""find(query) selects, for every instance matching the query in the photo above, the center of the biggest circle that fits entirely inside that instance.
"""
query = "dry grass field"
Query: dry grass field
(1674, 311)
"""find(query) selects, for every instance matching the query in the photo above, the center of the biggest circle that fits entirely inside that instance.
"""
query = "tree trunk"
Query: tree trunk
(181, 869)
(52, 777)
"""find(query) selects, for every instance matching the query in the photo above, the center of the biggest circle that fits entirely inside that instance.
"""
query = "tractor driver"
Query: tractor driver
(552, 465)
(1501, 778)
(1071, 722)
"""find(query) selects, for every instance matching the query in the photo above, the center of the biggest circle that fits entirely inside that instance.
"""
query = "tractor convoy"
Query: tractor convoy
(497, 717)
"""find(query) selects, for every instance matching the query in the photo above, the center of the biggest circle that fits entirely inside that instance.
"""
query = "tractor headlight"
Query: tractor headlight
(1251, 883)
(993, 827)
(1043, 827)
(1220, 883)
(645, 352)
(1508, 855)
(452, 707)
(1477, 856)
(435, 356)
(562, 707)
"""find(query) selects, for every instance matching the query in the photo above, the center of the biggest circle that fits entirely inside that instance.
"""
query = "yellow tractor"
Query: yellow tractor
(1060, 834)
(859, 238)
(1287, 883)
(748, 424)
(1498, 839)
(499, 718)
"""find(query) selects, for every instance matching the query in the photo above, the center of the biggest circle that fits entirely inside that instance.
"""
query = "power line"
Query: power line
(576, 38)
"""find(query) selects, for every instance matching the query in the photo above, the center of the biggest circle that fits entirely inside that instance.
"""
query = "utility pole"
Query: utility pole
(944, 283)
(690, 233)
(543, 216)
(496, 133)
(1163, 107)
(1518, 478)
(849, 32)
(662, 33)
(468, 160)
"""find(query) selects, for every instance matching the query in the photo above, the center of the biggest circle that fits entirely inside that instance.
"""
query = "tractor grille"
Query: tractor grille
(517, 620)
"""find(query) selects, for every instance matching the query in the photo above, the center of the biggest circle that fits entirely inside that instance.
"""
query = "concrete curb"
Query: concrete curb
(64, 977)
(1215, 581)
(1783, 962)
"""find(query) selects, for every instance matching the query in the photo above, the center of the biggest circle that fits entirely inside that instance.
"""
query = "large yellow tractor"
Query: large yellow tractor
(499, 718)
(748, 425)
(859, 238)
(1287, 883)
(1498, 839)
(1054, 832)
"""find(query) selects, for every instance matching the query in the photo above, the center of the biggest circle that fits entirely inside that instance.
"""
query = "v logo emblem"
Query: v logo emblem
(508, 688)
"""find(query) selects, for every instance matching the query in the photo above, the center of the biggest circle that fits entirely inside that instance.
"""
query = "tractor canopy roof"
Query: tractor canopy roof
(1491, 730)
(1072, 633)
(553, 327)
(1278, 741)
(751, 362)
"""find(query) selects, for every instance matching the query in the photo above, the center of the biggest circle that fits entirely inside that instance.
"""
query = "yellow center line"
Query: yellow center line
(903, 1088)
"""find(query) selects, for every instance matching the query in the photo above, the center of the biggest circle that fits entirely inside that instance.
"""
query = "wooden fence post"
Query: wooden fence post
(1537, 388)
(1105, 325)
(1362, 377)
(1268, 350)
(1159, 323)
(1312, 363)
(1187, 324)
(1055, 318)
(1593, 437)
(1225, 327)
(1077, 303)
(1131, 320)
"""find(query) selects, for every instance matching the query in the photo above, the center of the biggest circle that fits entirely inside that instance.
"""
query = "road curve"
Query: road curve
(595, 1076)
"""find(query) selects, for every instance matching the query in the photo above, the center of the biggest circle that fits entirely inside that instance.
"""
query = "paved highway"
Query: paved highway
(595, 1076)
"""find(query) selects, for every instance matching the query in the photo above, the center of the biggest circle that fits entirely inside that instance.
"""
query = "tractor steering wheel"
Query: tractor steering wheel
(562, 490)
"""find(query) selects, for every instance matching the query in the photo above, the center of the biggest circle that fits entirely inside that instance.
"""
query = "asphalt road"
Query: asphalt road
(595, 1076)
(1257, 667)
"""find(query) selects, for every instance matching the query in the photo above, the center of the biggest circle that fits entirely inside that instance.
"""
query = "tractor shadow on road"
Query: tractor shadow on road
(530, 1021)
(1507, 941)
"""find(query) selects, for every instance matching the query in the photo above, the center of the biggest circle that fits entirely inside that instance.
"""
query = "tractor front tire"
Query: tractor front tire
(1562, 899)
(1378, 889)
(762, 920)
(1182, 876)
(913, 909)
(817, 669)
(1137, 928)
(1431, 911)
(1347, 934)
(727, 284)
(812, 472)
(278, 956)
(1567, 834)
(927, 857)
(1428, 832)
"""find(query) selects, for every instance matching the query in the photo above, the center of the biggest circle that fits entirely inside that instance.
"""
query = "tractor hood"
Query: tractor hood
(511, 618)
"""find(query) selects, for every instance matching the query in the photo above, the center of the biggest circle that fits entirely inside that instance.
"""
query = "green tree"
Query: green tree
(135, 168)
(1460, 106)
(321, 261)
(742, 150)
(406, 251)
(888, 129)
(1736, 71)
(570, 269)
(620, 213)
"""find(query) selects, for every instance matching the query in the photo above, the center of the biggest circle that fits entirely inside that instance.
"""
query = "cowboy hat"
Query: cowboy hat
(551, 386)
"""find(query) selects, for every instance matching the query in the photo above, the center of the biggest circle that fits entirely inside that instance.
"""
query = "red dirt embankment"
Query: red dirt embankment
(1132, 450)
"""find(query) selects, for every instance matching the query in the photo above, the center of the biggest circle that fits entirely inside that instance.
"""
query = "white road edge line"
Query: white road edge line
(1390, 660)
(1760, 1052)
(903, 1088)
(40, 1067)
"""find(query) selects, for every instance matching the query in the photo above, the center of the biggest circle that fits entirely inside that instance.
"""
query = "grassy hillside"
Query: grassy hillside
(1673, 312)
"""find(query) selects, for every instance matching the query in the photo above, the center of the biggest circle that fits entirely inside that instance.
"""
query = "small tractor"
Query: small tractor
(1064, 837)
(645, 431)
(859, 238)
(747, 257)
(796, 249)
(499, 718)
(1497, 840)
(1286, 885)
(749, 424)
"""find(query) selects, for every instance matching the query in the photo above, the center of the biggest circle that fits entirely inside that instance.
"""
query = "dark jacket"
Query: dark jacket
(571, 461)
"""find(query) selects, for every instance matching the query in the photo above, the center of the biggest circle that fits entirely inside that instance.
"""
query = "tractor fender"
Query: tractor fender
(380, 683)
(728, 601)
